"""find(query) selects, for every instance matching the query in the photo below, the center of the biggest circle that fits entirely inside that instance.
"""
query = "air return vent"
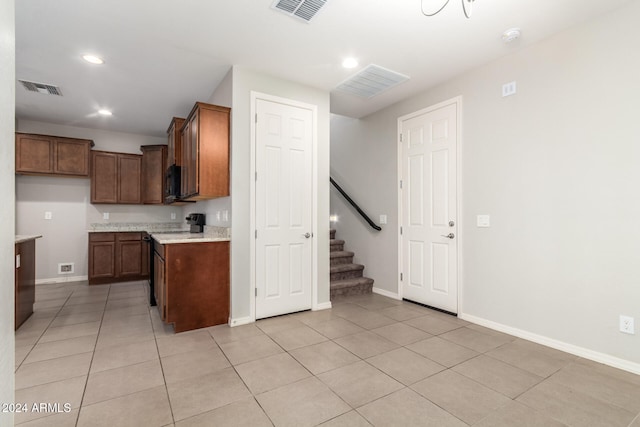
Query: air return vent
(41, 88)
(303, 9)
(371, 81)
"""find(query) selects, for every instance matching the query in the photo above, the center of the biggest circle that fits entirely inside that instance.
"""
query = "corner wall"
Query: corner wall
(556, 167)
(7, 207)
(245, 81)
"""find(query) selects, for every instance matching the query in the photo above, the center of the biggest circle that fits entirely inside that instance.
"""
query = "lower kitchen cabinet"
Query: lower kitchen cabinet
(117, 257)
(192, 284)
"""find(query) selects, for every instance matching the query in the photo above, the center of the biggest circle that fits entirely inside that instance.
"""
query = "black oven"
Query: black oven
(172, 176)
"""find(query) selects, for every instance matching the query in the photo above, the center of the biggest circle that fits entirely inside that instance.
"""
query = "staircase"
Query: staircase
(346, 277)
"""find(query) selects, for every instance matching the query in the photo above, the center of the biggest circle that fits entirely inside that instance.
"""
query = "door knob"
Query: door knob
(449, 236)
(307, 235)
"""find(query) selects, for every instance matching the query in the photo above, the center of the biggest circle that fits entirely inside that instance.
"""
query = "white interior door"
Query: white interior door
(429, 220)
(284, 188)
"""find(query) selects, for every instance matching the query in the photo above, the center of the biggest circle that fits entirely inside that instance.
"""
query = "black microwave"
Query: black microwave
(172, 189)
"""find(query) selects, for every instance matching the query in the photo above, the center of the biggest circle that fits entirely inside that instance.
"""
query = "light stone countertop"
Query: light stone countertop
(26, 237)
(171, 238)
(149, 227)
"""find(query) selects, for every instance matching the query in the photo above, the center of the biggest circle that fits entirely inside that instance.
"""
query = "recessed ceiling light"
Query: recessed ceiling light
(350, 63)
(105, 113)
(93, 59)
(511, 34)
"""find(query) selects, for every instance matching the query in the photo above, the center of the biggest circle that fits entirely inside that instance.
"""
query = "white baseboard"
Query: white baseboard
(606, 359)
(64, 279)
(386, 293)
(240, 321)
(322, 306)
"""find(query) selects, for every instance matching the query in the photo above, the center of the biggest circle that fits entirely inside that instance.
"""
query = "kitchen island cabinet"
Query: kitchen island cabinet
(117, 257)
(25, 277)
(192, 283)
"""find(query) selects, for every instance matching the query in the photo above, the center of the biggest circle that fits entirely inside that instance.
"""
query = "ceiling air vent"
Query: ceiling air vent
(371, 81)
(303, 9)
(41, 88)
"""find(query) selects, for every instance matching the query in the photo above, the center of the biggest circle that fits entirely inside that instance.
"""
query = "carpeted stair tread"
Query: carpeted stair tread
(340, 254)
(336, 242)
(347, 283)
(341, 268)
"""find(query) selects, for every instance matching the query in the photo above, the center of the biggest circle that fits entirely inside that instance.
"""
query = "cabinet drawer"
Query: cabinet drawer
(102, 237)
(124, 236)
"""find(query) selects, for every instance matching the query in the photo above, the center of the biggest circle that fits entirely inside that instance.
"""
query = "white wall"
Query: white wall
(245, 81)
(556, 167)
(7, 216)
(68, 199)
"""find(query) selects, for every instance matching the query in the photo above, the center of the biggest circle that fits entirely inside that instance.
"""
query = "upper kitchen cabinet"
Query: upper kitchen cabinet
(115, 177)
(52, 155)
(154, 160)
(205, 153)
(174, 142)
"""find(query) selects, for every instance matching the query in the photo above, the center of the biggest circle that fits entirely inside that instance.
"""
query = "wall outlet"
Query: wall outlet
(333, 218)
(18, 261)
(509, 89)
(225, 215)
(48, 215)
(173, 215)
(105, 215)
(218, 216)
(626, 325)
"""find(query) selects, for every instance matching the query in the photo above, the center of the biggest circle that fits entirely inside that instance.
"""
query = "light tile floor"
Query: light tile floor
(369, 360)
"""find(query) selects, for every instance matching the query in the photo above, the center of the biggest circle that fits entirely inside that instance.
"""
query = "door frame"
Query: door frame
(255, 96)
(460, 237)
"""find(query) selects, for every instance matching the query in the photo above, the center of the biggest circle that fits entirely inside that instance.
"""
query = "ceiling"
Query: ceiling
(162, 56)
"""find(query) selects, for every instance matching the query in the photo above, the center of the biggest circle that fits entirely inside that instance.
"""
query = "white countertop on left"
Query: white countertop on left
(26, 237)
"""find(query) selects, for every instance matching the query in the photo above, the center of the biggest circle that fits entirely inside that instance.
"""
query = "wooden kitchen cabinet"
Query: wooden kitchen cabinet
(205, 153)
(25, 280)
(154, 160)
(52, 155)
(192, 284)
(117, 257)
(174, 142)
(116, 178)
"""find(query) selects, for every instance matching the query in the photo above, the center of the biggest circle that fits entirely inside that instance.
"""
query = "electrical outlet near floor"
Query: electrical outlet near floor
(626, 325)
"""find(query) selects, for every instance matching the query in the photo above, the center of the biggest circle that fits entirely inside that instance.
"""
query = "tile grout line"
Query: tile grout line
(86, 383)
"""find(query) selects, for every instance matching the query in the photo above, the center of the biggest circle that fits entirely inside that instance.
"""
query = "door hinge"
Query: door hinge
(400, 137)
(256, 291)
(400, 183)
(401, 231)
(256, 234)
(255, 176)
(256, 117)
(401, 277)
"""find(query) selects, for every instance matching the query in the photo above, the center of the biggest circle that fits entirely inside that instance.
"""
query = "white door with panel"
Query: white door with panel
(284, 188)
(429, 208)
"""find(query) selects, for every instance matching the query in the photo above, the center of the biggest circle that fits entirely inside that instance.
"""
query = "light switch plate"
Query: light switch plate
(105, 215)
(173, 215)
(18, 261)
(383, 219)
(483, 221)
(48, 215)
